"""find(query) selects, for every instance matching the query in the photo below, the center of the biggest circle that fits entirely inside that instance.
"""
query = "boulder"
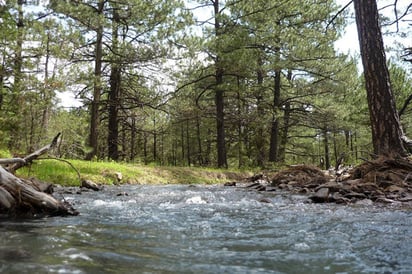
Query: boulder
(321, 195)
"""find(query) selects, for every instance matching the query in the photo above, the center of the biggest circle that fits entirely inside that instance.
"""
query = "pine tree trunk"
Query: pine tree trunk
(199, 141)
(259, 137)
(219, 99)
(133, 138)
(97, 90)
(115, 78)
(188, 148)
(274, 133)
(326, 147)
(286, 125)
(386, 128)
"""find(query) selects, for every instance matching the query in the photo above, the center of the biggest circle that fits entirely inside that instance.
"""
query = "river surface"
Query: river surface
(208, 229)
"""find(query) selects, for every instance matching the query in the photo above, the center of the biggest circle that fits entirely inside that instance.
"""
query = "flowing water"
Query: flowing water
(208, 229)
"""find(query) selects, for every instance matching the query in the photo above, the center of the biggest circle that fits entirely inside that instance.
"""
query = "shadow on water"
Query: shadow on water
(208, 229)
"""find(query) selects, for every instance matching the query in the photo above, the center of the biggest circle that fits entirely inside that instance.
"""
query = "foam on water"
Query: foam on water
(209, 229)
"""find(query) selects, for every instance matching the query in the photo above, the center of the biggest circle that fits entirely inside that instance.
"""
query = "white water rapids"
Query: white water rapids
(208, 229)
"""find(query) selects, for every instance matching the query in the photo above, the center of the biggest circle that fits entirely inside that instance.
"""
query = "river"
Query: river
(208, 229)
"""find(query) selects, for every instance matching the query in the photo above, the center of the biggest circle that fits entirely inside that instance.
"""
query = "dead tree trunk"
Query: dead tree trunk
(19, 198)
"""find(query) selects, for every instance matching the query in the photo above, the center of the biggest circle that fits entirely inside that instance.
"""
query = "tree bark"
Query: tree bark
(199, 141)
(113, 102)
(219, 98)
(326, 147)
(21, 198)
(274, 132)
(386, 128)
(17, 99)
(97, 89)
(259, 137)
(188, 148)
(286, 124)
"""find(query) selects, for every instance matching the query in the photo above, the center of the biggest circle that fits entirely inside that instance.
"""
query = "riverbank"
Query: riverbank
(72, 172)
(382, 180)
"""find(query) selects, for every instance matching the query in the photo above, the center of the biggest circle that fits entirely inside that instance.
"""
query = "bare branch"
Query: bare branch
(338, 13)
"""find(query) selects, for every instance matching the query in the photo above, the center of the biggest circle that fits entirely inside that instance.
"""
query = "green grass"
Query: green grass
(62, 172)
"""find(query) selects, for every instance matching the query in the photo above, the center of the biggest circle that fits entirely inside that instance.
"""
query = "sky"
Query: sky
(349, 42)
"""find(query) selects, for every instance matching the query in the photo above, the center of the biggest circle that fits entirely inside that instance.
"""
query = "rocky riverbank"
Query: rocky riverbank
(382, 180)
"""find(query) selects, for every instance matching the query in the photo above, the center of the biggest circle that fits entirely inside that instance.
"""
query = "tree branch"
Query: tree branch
(405, 105)
(338, 13)
(29, 158)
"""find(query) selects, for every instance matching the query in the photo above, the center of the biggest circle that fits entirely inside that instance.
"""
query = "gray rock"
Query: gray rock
(320, 196)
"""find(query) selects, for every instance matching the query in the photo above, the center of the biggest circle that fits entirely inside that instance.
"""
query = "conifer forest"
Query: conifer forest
(219, 83)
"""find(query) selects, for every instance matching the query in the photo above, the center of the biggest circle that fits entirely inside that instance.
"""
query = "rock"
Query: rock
(270, 189)
(336, 196)
(341, 200)
(352, 182)
(320, 196)
(118, 176)
(90, 185)
(265, 200)
(14, 254)
(365, 202)
(331, 185)
(355, 195)
(283, 186)
(304, 190)
(255, 177)
(252, 185)
(230, 184)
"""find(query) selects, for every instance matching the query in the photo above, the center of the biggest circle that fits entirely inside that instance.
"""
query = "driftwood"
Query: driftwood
(19, 197)
(12, 161)
(18, 163)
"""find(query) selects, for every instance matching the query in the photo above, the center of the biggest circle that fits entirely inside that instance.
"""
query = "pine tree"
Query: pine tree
(387, 132)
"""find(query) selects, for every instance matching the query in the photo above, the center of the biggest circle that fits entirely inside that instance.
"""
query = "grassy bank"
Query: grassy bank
(64, 173)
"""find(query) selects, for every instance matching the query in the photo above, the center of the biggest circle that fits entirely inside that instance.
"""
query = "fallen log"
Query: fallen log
(20, 199)
(12, 161)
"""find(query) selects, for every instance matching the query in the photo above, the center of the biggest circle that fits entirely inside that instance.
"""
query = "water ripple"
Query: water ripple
(208, 229)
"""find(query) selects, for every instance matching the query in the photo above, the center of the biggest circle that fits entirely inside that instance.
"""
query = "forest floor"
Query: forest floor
(383, 180)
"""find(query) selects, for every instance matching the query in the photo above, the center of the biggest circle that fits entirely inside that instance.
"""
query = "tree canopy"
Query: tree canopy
(206, 82)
